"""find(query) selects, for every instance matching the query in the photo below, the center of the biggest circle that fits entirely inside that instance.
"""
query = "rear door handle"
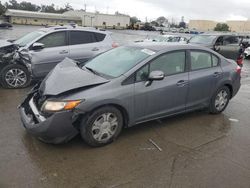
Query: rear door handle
(95, 49)
(217, 74)
(63, 52)
(182, 83)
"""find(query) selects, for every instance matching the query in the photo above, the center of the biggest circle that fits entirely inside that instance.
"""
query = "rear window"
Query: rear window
(200, 60)
(81, 37)
(99, 37)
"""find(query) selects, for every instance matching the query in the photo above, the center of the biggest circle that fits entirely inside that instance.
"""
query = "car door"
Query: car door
(163, 97)
(84, 45)
(229, 46)
(204, 73)
(54, 51)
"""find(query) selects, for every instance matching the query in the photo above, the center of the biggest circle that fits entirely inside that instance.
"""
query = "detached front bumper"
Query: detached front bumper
(55, 129)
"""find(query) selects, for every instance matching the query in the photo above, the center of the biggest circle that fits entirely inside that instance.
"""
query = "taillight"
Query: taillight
(238, 69)
(240, 61)
(114, 45)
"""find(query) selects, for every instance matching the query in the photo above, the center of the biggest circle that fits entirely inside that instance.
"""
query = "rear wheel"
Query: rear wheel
(102, 127)
(220, 100)
(15, 76)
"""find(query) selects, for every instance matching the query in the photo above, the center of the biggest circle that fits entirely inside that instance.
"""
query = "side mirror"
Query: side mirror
(37, 46)
(154, 76)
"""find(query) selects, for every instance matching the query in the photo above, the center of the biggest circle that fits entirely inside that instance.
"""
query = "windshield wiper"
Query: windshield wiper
(92, 70)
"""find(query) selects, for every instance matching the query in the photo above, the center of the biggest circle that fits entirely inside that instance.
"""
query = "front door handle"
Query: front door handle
(217, 74)
(95, 49)
(63, 52)
(182, 83)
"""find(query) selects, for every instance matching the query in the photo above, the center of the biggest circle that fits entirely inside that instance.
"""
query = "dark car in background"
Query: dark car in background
(127, 86)
(228, 45)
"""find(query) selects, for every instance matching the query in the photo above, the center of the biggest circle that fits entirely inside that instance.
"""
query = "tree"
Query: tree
(134, 20)
(182, 25)
(2, 9)
(221, 27)
(24, 5)
(155, 23)
(161, 20)
(28, 6)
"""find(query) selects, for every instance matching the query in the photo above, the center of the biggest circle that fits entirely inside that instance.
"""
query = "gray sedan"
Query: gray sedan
(127, 86)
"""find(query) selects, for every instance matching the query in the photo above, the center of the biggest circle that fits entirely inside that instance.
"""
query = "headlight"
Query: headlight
(55, 106)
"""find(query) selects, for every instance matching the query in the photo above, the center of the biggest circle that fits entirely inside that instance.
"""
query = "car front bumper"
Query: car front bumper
(57, 128)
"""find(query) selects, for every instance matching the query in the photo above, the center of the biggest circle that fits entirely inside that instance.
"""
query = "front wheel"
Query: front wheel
(15, 76)
(220, 100)
(102, 126)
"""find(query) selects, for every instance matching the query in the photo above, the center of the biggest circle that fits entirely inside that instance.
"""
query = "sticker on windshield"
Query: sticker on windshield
(147, 51)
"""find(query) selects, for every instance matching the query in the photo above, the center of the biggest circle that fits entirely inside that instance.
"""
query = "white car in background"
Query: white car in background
(168, 38)
(247, 52)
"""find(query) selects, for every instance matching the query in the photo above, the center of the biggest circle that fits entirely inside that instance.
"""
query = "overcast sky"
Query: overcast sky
(219, 10)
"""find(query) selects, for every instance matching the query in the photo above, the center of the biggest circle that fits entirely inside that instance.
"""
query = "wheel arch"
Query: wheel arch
(230, 87)
(82, 115)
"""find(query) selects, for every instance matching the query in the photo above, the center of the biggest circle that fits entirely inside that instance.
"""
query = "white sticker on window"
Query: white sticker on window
(147, 51)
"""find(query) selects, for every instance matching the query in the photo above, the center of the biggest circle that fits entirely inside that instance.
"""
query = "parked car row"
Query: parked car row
(168, 38)
(230, 46)
(37, 53)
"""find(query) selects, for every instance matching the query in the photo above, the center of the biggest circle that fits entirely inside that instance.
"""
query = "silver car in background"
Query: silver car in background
(43, 49)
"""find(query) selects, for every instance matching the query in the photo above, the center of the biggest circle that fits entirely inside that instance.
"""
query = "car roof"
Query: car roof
(157, 47)
(73, 28)
(218, 34)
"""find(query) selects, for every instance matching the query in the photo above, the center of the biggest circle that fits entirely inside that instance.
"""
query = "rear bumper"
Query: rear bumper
(236, 86)
(56, 129)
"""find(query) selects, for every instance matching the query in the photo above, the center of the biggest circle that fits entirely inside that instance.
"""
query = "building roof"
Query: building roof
(80, 13)
(32, 14)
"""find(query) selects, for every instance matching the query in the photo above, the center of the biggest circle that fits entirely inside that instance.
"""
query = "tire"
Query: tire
(94, 129)
(220, 100)
(9, 71)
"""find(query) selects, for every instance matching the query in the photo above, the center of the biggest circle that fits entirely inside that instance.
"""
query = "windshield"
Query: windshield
(23, 41)
(202, 39)
(118, 61)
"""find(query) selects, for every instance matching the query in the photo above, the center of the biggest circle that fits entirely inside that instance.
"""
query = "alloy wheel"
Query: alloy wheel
(104, 127)
(15, 77)
(221, 100)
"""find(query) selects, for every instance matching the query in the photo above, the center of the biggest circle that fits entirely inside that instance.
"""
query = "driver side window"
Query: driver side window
(54, 40)
(170, 63)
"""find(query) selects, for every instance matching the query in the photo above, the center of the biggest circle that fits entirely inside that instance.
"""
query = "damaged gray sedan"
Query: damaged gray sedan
(124, 87)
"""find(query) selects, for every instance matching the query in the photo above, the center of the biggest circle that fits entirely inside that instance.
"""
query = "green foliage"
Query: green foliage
(182, 25)
(24, 5)
(221, 27)
(161, 20)
(134, 20)
(155, 23)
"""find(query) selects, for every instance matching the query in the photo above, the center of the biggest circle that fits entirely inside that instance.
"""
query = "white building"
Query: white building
(80, 17)
(100, 20)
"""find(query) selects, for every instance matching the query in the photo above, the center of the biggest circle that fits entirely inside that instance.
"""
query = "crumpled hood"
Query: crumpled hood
(68, 76)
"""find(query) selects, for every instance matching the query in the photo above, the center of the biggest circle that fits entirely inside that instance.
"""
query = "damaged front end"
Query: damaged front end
(48, 127)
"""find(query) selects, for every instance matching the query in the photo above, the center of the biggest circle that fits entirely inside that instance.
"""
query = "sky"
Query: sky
(218, 10)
